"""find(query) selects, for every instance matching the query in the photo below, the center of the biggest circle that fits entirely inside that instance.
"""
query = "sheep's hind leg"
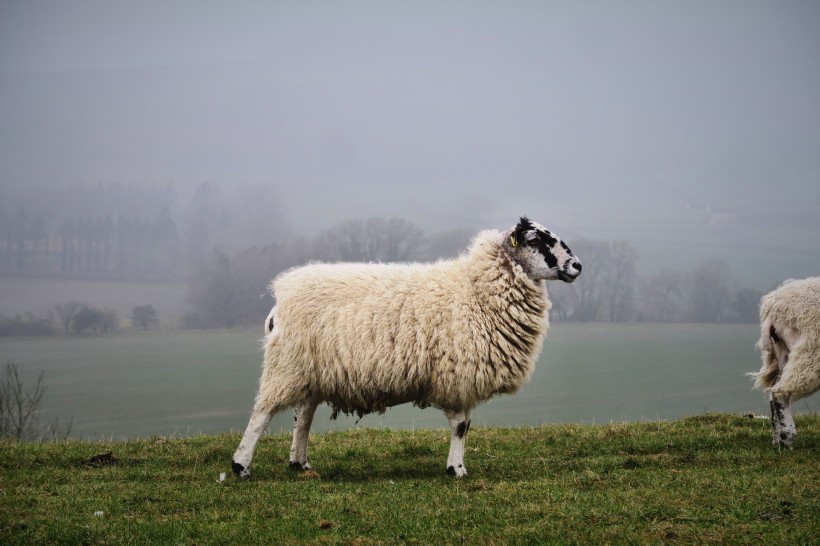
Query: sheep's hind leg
(241, 463)
(775, 408)
(302, 420)
(459, 425)
(783, 431)
(273, 396)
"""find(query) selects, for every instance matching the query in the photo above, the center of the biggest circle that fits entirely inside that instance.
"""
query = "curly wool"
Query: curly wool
(364, 337)
(795, 306)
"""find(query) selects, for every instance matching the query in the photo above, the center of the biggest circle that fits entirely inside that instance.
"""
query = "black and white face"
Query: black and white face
(541, 254)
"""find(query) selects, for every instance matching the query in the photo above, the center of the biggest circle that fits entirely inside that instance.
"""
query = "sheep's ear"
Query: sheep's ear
(517, 236)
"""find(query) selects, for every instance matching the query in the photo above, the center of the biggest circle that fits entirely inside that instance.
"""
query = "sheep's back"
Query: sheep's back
(368, 333)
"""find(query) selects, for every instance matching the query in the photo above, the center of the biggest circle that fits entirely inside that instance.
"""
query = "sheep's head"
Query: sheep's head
(540, 253)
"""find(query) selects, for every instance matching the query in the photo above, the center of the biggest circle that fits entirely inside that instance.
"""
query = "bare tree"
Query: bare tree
(374, 240)
(345, 242)
(401, 238)
(66, 312)
(19, 408)
(607, 289)
(563, 301)
(621, 280)
(448, 244)
(591, 293)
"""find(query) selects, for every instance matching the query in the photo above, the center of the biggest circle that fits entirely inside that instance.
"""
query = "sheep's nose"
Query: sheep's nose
(577, 266)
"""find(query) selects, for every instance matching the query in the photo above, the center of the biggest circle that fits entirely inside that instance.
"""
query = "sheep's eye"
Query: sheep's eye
(533, 241)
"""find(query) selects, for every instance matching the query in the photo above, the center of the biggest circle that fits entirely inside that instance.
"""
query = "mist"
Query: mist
(688, 126)
(160, 162)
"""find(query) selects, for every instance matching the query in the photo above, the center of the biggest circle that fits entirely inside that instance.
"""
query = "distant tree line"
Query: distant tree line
(231, 289)
(610, 290)
(227, 246)
(75, 318)
(26, 325)
(107, 232)
(134, 232)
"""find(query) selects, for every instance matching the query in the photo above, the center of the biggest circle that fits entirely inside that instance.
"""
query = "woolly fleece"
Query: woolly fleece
(794, 305)
(364, 337)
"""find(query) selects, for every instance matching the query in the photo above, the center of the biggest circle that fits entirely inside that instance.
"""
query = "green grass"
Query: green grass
(709, 479)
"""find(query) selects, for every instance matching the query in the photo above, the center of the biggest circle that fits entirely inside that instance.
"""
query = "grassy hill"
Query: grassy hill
(712, 478)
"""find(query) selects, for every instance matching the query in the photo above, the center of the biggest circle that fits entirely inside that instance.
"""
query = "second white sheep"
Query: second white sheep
(790, 348)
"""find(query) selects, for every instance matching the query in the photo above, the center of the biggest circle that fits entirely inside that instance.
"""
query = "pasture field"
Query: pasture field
(181, 383)
(39, 296)
(706, 479)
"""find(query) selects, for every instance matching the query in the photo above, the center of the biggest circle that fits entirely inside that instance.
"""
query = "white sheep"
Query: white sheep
(365, 337)
(790, 347)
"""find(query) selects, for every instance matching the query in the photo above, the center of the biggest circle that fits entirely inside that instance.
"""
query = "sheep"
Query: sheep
(365, 337)
(790, 348)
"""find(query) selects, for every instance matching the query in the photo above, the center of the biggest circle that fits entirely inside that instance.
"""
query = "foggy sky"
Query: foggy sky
(584, 115)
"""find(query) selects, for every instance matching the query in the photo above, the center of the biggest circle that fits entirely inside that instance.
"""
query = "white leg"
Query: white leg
(773, 406)
(786, 431)
(459, 425)
(783, 429)
(302, 419)
(243, 456)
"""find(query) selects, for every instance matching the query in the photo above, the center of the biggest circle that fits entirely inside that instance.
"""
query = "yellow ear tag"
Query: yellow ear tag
(513, 240)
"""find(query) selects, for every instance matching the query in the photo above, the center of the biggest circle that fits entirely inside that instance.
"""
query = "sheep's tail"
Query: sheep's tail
(769, 372)
(270, 324)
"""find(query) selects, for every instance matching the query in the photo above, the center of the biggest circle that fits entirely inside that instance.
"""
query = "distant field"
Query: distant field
(191, 382)
(41, 295)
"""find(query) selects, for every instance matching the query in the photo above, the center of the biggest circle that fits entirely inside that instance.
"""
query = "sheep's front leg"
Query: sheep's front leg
(459, 425)
(783, 429)
(303, 418)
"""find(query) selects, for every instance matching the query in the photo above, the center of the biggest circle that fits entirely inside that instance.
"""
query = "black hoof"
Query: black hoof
(787, 439)
(296, 466)
(451, 470)
(238, 469)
